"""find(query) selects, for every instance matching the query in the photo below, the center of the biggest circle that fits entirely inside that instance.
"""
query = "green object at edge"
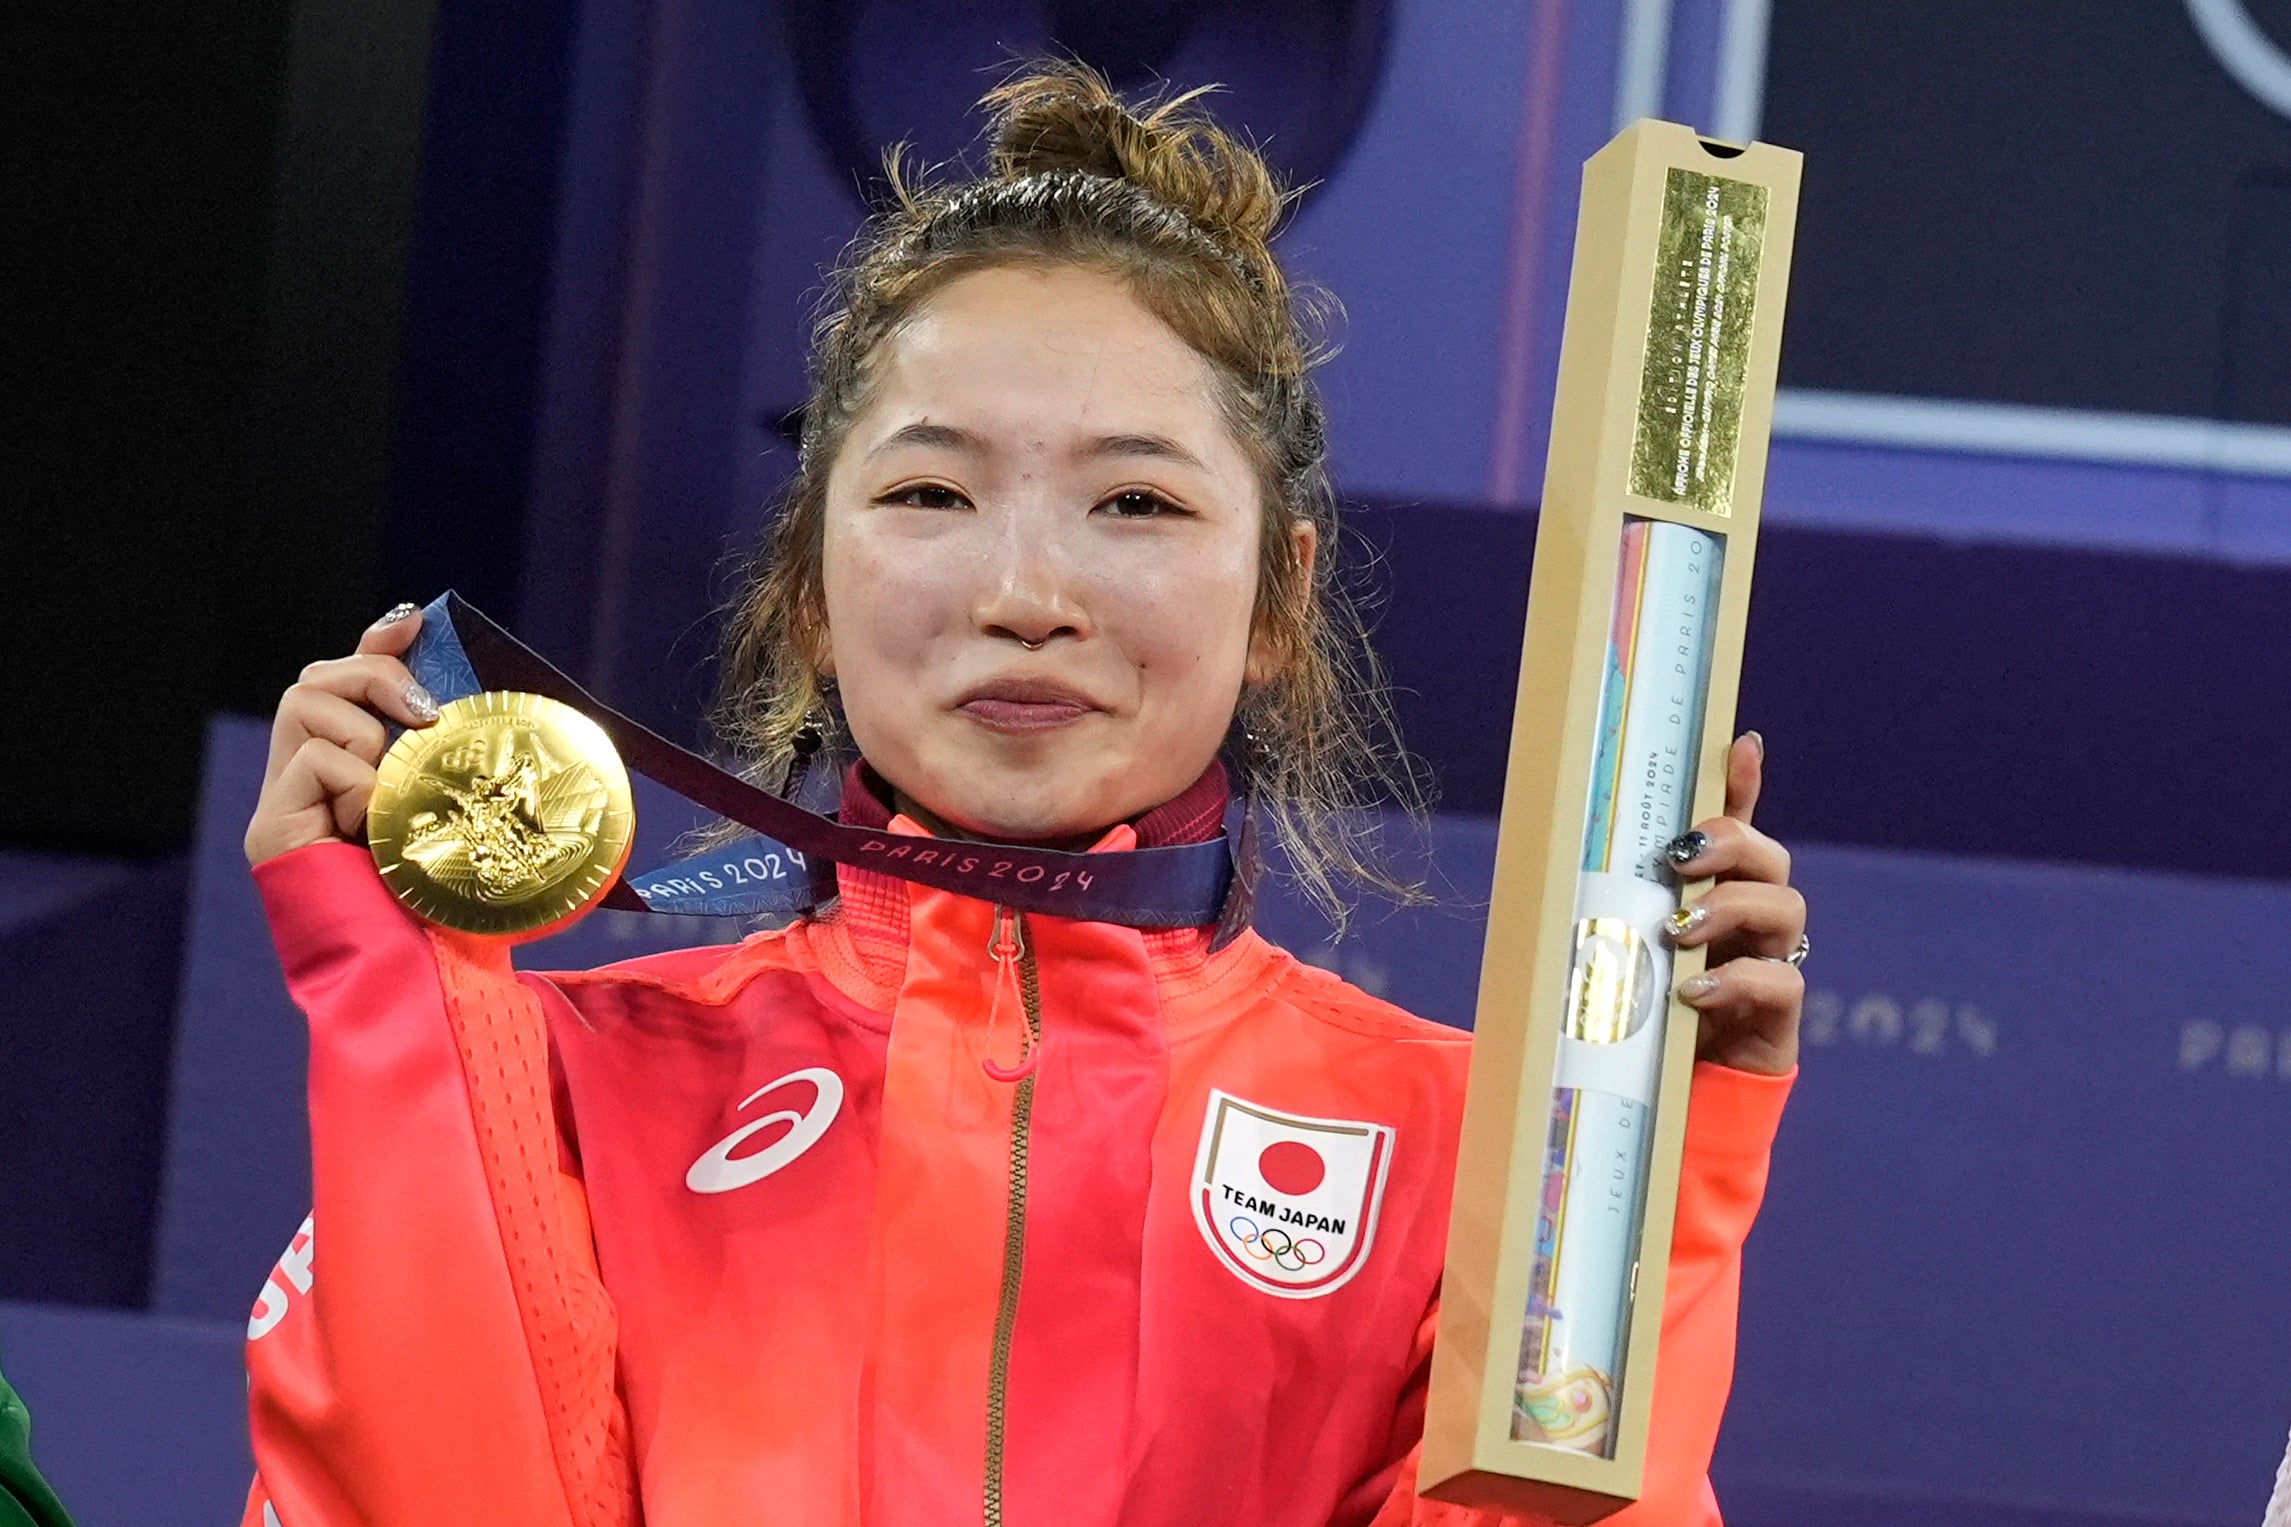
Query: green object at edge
(25, 1499)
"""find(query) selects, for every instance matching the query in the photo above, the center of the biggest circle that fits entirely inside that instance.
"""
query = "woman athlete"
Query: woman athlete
(895, 1216)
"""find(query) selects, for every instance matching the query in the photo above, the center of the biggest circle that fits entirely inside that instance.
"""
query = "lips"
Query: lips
(1025, 705)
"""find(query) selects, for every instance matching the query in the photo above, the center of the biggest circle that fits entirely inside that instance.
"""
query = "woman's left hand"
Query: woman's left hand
(1750, 922)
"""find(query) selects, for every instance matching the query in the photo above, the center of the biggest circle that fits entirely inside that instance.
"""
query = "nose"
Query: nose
(1030, 598)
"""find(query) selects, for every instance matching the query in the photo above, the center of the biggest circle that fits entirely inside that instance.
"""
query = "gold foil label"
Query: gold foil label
(1699, 321)
(1610, 982)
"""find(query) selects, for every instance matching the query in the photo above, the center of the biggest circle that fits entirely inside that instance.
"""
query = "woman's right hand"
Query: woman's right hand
(328, 736)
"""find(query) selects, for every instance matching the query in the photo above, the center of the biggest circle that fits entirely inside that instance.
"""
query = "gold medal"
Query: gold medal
(510, 816)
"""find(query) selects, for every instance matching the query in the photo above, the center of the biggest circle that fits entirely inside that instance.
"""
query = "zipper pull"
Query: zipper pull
(1007, 943)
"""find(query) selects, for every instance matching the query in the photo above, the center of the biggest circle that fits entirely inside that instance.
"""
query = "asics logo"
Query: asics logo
(719, 1171)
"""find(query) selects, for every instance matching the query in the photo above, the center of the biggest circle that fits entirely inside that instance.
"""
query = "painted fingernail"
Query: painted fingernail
(1687, 847)
(1759, 743)
(398, 612)
(418, 701)
(1696, 987)
(1685, 920)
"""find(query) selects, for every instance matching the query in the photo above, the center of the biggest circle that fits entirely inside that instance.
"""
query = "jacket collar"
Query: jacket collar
(1195, 814)
(867, 931)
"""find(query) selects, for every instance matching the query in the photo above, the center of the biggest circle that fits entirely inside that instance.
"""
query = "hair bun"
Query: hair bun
(1067, 117)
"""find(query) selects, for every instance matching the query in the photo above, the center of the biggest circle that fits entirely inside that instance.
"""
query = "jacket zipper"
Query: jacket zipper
(1020, 949)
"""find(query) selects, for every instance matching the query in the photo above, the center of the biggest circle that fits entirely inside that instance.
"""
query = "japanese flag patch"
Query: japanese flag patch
(1287, 1202)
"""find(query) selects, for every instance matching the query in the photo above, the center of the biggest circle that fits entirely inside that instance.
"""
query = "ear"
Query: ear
(1269, 653)
(817, 643)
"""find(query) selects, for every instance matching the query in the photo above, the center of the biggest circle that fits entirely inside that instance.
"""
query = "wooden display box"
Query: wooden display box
(1662, 415)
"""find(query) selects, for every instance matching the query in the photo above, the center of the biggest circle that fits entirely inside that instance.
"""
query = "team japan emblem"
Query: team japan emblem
(1288, 1203)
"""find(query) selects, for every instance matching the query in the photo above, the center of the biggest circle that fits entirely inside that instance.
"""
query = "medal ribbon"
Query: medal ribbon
(789, 865)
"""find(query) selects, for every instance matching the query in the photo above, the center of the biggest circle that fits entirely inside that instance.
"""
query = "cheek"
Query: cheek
(875, 631)
(1188, 618)
(879, 606)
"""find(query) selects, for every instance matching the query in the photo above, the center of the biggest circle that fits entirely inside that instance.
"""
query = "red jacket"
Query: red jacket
(776, 1232)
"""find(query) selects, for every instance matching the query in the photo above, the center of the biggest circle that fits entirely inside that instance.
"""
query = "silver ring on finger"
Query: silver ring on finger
(1795, 957)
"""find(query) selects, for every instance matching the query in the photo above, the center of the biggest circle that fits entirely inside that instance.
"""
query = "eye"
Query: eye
(925, 495)
(1140, 504)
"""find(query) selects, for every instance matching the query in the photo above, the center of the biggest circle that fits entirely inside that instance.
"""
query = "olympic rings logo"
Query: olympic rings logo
(1276, 1246)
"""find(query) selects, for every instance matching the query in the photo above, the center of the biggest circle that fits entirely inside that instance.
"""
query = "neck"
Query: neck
(907, 805)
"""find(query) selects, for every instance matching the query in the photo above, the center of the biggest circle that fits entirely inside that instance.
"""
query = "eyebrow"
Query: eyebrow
(941, 436)
(1159, 447)
(951, 437)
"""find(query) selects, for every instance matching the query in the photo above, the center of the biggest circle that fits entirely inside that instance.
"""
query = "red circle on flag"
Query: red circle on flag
(1291, 1167)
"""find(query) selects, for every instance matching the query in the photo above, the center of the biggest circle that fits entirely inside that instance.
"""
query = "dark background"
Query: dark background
(2072, 206)
(208, 358)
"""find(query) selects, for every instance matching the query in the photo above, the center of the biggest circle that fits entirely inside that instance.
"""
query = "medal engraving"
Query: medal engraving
(510, 816)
